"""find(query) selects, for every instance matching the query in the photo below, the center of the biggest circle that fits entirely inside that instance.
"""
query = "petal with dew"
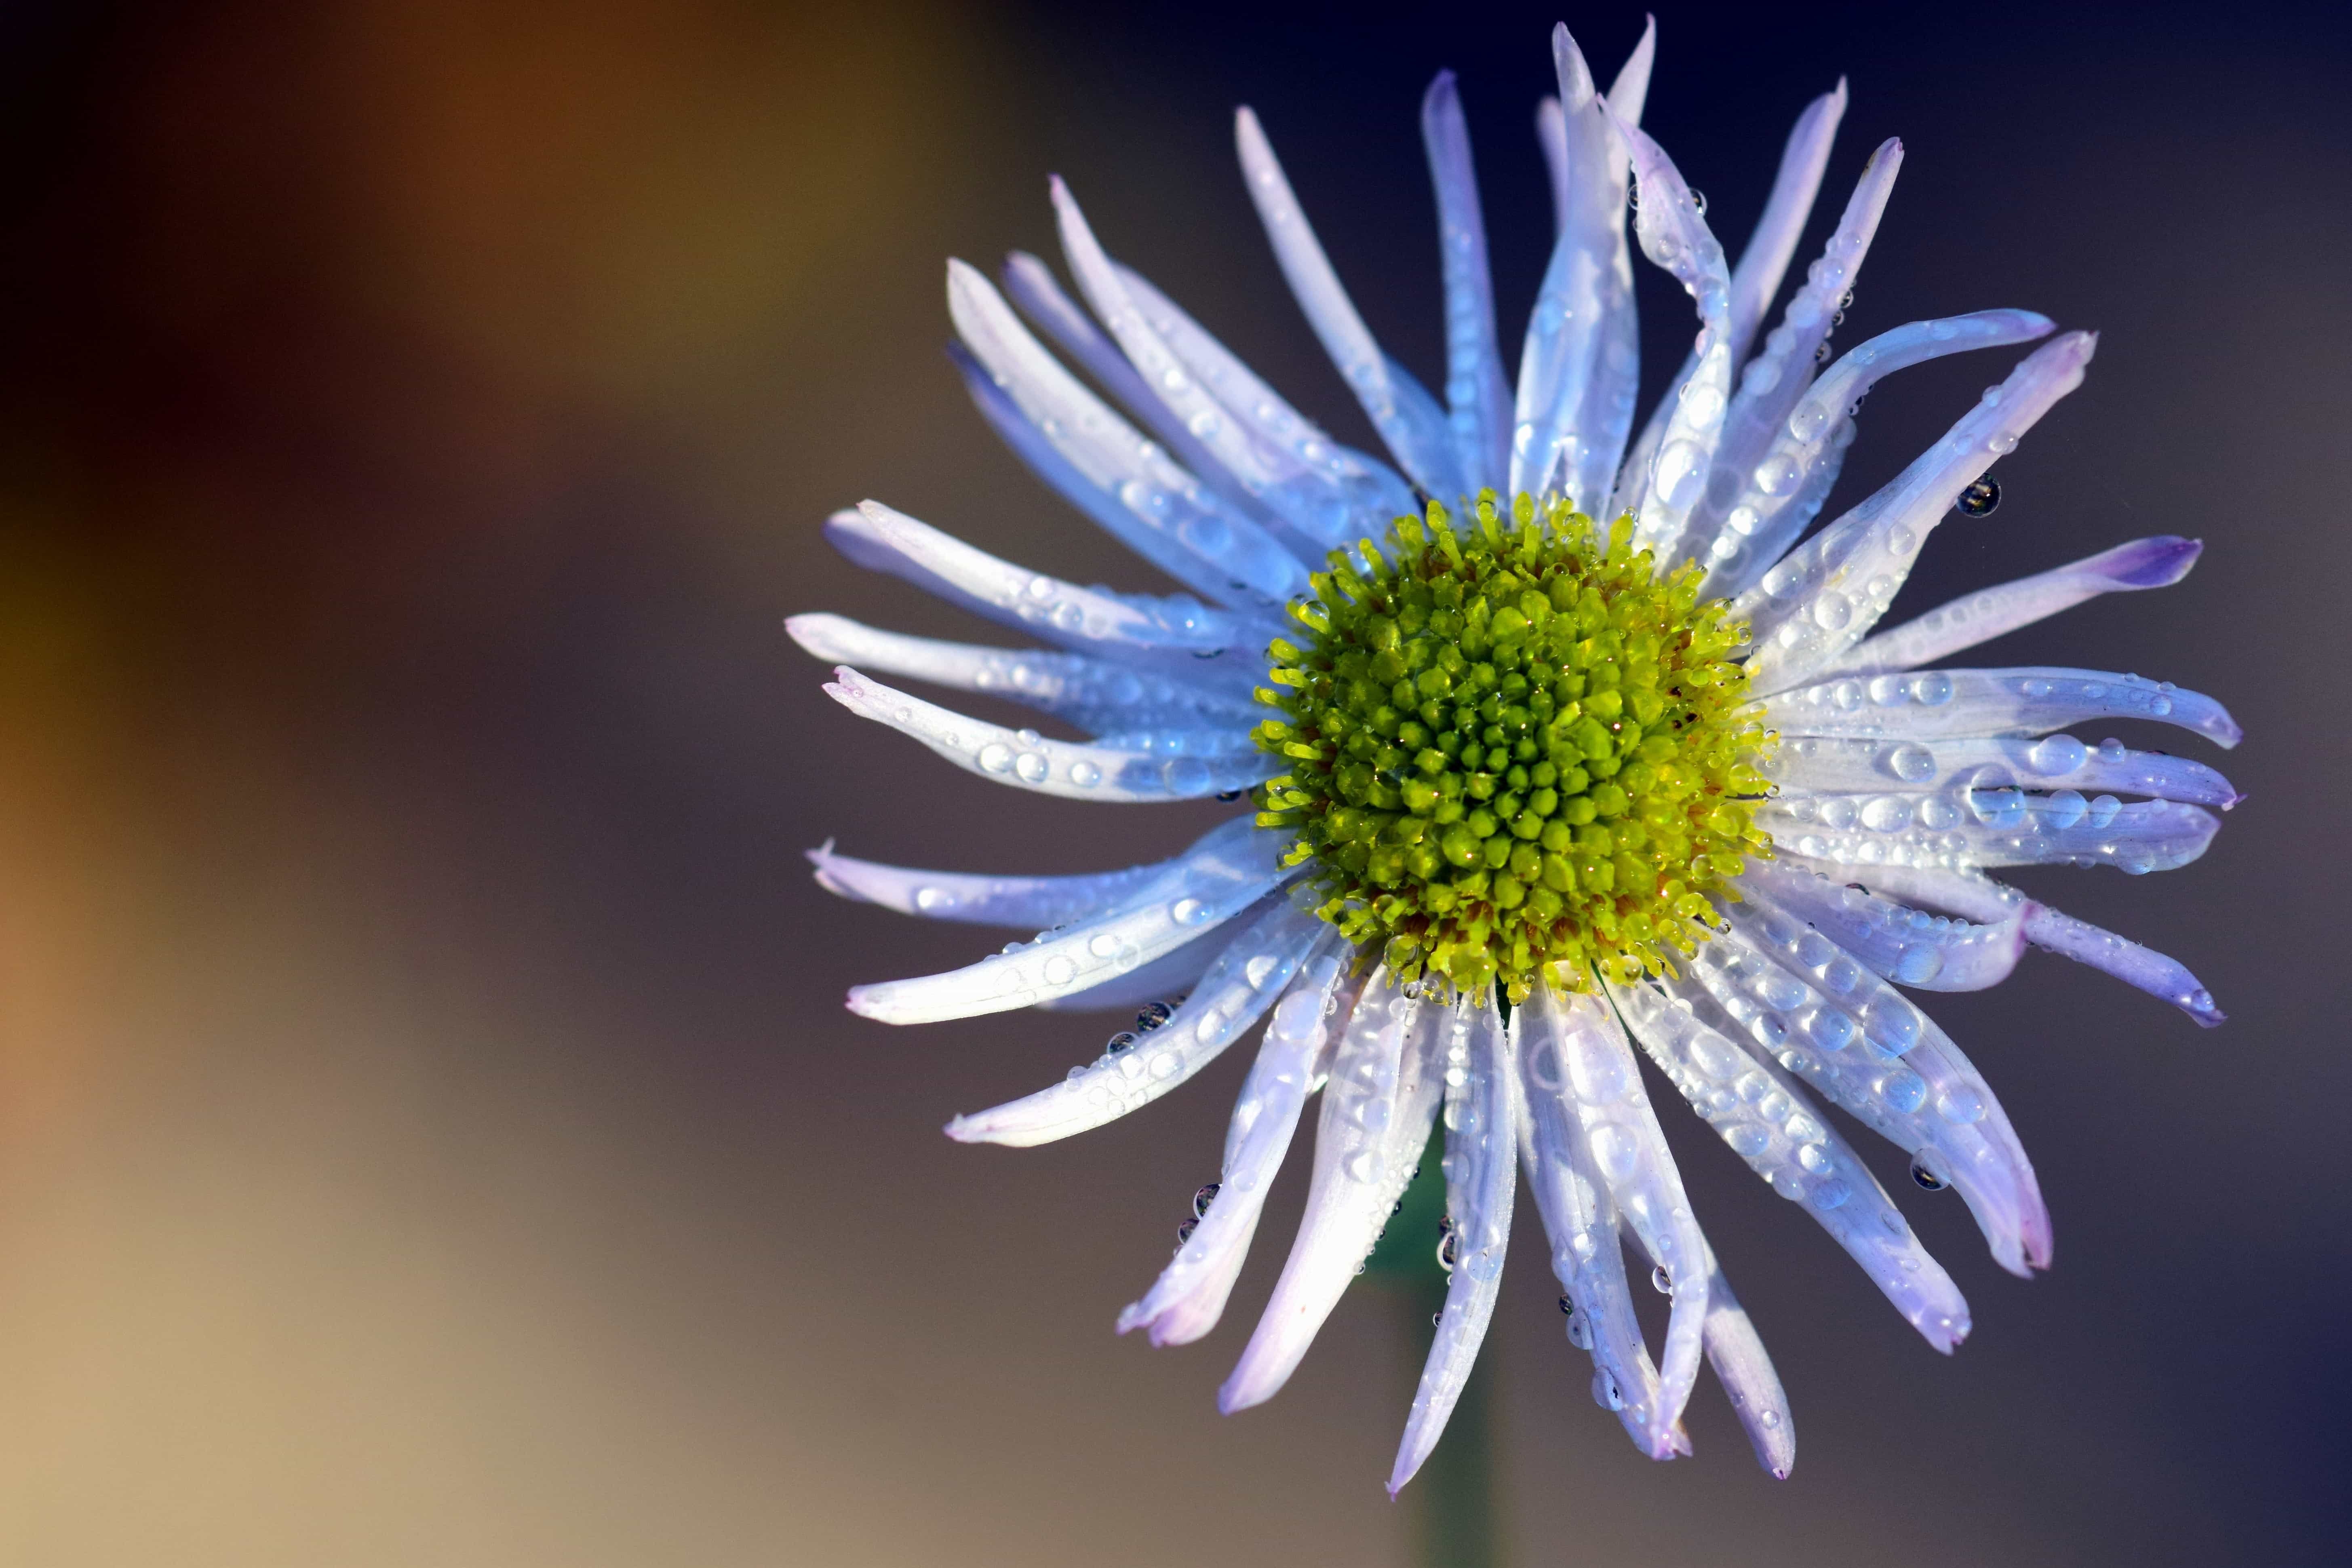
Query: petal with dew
(1773, 1124)
(1406, 416)
(1735, 1351)
(1020, 903)
(1827, 593)
(1238, 987)
(1827, 765)
(1190, 1295)
(1931, 704)
(1212, 886)
(1479, 408)
(1907, 946)
(1764, 260)
(2142, 563)
(1378, 1107)
(1481, 1178)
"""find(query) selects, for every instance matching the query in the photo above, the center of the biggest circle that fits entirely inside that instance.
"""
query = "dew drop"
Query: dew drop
(1979, 499)
(1924, 1175)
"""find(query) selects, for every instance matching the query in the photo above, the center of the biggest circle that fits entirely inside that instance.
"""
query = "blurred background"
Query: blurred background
(429, 1131)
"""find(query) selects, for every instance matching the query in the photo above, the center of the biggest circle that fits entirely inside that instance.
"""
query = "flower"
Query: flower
(1531, 790)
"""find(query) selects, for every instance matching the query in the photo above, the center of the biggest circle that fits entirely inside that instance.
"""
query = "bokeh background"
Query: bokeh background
(428, 1129)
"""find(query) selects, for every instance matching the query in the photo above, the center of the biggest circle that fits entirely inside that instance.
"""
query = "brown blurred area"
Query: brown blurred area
(428, 1129)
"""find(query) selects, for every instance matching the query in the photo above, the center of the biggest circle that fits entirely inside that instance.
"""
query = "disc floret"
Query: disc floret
(1511, 745)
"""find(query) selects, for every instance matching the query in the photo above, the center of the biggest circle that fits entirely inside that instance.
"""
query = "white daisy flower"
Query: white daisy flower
(1531, 792)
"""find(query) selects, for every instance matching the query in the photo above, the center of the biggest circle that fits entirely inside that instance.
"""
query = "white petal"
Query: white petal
(1190, 1295)
(1765, 259)
(1907, 946)
(1481, 1178)
(1376, 1110)
(1477, 403)
(1737, 1352)
(1825, 765)
(1983, 703)
(1239, 987)
(1021, 903)
(1217, 881)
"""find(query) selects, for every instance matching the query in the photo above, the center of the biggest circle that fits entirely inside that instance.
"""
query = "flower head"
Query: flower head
(1562, 746)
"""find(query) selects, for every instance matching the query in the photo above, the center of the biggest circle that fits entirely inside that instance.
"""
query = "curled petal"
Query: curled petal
(1190, 1295)
(1773, 1124)
(2156, 562)
(1217, 881)
(1239, 987)
(1022, 903)
(1908, 946)
(1935, 704)
(1377, 1107)
(1183, 764)
(1129, 626)
(1095, 694)
(1481, 1177)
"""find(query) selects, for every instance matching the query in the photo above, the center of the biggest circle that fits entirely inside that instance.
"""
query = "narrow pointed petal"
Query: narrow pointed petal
(1132, 628)
(1773, 1124)
(1376, 1111)
(2156, 562)
(1237, 989)
(1630, 93)
(1214, 886)
(1575, 394)
(1975, 703)
(1031, 285)
(1735, 1351)
(1994, 827)
(1757, 508)
(1018, 903)
(1481, 1179)
(1907, 946)
(1478, 409)
(1332, 493)
(1551, 135)
(1827, 593)
(1167, 978)
(1775, 379)
(1582, 1220)
(1820, 764)
(1765, 259)
(1667, 472)
(1575, 1042)
(1404, 413)
(1165, 514)
(1851, 1036)
(1094, 694)
(1190, 1295)
(1211, 761)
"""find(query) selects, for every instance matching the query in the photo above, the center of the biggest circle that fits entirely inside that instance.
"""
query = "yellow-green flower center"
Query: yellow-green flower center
(1513, 746)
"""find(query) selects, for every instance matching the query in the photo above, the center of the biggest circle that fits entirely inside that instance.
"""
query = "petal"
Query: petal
(1773, 1125)
(2156, 562)
(1551, 135)
(1334, 493)
(1806, 611)
(1477, 404)
(1773, 380)
(1214, 883)
(1757, 507)
(1765, 259)
(1094, 694)
(1021, 903)
(1667, 472)
(1376, 1110)
(1576, 1048)
(1189, 1297)
(1827, 1019)
(1992, 828)
(1030, 284)
(1817, 765)
(1575, 395)
(1404, 413)
(1582, 1220)
(1132, 628)
(1185, 765)
(1989, 703)
(1239, 987)
(1737, 1352)
(1907, 946)
(1481, 1178)
(1167, 978)
(1165, 514)
(1630, 93)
